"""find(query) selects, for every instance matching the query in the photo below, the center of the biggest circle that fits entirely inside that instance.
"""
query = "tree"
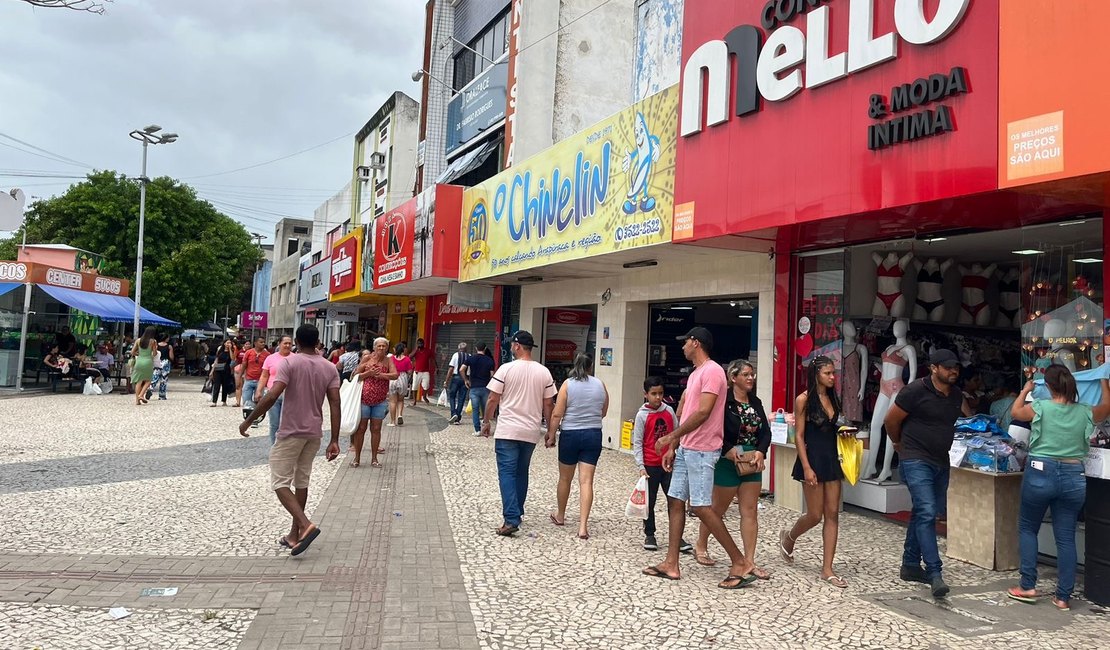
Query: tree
(195, 259)
(90, 6)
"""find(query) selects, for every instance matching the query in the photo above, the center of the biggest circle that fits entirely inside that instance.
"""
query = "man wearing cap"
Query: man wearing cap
(921, 424)
(525, 392)
(692, 451)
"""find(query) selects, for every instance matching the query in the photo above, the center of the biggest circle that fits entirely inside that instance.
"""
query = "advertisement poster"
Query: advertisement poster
(346, 266)
(253, 320)
(608, 188)
(568, 331)
(393, 245)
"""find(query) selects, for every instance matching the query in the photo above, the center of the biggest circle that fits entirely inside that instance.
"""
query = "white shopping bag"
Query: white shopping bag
(88, 390)
(637, 501)
(442, 400)
(350, 405)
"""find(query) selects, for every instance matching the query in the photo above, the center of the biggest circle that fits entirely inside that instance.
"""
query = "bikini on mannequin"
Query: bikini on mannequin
(974, 308)
(853, 372)
(1009, 299)
(895, 358)
(930, 280)
(1062, 355)
(889, 300)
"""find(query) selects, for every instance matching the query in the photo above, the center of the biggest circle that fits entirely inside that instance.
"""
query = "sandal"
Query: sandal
(556, 521)
(353, 463)
(703, 558)
(762, 574)
(742, 581)
(656, 572)
(1028, 597)
(787, 557)
(1062, 605)
(376, 464)
(837, 581)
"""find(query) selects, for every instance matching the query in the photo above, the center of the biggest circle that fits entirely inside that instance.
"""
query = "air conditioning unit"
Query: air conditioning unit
(364, 173)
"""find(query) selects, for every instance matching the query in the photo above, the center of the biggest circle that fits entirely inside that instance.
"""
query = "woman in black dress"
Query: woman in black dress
(222, 374)
(816, 412)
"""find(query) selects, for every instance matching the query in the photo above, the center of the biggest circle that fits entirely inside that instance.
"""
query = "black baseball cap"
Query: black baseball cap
(701, 335)
(524, 338)
(945, 358)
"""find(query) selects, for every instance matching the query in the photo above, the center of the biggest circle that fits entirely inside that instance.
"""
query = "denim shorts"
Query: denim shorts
(692, 476)
(579, 446)
(375, 411)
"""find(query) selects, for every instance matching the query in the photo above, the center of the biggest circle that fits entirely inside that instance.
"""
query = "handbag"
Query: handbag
(207, 388)
(745, 468)
(219, 367)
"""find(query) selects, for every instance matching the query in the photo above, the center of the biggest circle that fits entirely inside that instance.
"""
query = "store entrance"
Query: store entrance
(733, 322)
(568, 331)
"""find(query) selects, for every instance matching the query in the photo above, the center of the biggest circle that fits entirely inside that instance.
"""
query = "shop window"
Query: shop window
(820, 313)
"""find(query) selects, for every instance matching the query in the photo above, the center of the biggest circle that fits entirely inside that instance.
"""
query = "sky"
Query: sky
(241, 81)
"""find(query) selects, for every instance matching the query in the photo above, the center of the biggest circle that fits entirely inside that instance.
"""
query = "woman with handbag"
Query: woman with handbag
(816, 412)
(739, 471)
(376, 371)
(222, 374)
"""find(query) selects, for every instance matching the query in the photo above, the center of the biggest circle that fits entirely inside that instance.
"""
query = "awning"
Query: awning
(469, 161)
(112, 309)
(5, 287)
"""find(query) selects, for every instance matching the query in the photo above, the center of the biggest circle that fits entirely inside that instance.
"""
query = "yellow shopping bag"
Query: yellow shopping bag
(850, 449)
(469, 408)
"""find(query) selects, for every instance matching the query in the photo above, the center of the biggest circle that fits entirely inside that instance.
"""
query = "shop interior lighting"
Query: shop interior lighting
(930, 240)
(680, 307)
(1072, 223)
(640, 264)
(745, 316)
(1027, 251)
(1087, 260)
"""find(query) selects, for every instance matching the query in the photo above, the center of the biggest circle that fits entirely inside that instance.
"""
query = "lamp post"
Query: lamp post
(148, 136)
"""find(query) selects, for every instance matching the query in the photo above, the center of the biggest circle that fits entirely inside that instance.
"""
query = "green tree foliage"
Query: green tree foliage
(195, 260)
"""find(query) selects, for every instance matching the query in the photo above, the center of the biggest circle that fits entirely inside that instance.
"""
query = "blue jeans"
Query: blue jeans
(479, 395)
(456, 396)
(928, 484)
(513, 460)
(1062, 487)
(275, 418)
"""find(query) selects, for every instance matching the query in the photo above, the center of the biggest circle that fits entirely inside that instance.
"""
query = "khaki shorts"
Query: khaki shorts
(291, 462)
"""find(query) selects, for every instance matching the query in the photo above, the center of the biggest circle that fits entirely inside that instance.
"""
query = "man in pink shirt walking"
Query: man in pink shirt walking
(692, 462)
(525, 392)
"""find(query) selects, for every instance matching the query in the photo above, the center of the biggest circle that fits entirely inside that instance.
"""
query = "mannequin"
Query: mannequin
(1009, 299)
(974, 283)
(853, 372)
(895, 358)
(1061, 354)
(891, 269)
(930, 280)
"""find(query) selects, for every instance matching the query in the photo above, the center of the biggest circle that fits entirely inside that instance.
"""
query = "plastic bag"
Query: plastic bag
(637, 501)
(207, 388)
(88, 390)
(850, 449)
(469, 408)
(442, 399)
(96, 388)
(350, 405)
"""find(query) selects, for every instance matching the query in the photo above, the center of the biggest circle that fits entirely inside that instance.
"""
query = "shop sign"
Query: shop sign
(65, 278)
(346, 265)
(255, 320)
(313, 284)
(922, 124)
(393, 245)
(779, 68)
(343, 314)
(605, 189)
(477, 107)
(510, 108)
(443, 312)
(13, 271)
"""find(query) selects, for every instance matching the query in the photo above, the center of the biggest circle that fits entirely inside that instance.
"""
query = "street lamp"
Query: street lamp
(148, 136)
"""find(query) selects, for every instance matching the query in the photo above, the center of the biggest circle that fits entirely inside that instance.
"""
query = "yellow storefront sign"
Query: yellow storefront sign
(606, 189)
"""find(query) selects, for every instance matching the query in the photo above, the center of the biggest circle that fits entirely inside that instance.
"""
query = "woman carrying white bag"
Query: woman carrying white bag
(350, 401)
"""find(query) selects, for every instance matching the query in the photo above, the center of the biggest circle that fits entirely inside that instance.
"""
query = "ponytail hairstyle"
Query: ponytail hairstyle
(1061, 382)
(582, 365)
(814, 410)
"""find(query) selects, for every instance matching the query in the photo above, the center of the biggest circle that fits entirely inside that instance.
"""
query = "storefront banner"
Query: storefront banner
(66, 279)
(608, 188)
(346, 266)
(443, 312)
(255, 320)
(511, 82)
(394, 233)
(478, 106)
(313, 284)
(343, 314)
(567, 333)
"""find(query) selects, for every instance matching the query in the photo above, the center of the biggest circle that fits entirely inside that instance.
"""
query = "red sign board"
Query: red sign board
(393, 245)
(570, 317)
(344, 262)
(445, 313)
(798, 111)
(255, 320)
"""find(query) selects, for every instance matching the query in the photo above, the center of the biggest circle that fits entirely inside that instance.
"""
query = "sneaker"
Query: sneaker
(256, 425)
(940, 589)
(390, 424)
(685, 547)
(650, 544)
(913, 574)
(477, 434)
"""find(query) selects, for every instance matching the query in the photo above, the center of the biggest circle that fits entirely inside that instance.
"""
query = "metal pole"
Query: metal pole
(23, 335)
(139, 255)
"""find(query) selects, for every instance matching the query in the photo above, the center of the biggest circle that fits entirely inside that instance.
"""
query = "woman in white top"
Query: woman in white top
(582, 403)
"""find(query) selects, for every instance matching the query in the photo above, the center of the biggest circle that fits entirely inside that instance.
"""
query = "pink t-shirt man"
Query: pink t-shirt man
(709, 377)
(307, 379)
(523, 386)
(271, 365)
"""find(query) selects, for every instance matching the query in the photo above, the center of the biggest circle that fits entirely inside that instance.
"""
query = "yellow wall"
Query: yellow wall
(396, 328)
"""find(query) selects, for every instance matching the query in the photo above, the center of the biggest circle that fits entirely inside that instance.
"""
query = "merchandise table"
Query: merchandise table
(983, 518)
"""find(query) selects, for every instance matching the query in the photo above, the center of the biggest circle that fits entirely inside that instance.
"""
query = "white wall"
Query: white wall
(718, 273)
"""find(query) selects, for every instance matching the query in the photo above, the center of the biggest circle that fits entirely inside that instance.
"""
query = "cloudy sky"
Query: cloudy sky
(242, 81)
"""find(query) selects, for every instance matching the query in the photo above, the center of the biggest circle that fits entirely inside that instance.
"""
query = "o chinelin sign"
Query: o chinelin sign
(789, 60)
(605, 189)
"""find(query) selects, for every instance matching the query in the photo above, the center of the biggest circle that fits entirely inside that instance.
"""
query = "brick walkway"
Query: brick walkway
(384, 573)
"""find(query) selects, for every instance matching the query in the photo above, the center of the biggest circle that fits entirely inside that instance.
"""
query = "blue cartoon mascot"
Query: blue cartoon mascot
(640, 163)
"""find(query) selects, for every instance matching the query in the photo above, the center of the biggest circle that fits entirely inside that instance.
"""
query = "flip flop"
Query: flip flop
(353, 463)
(1062, 605)
(283, 541)
(786, 557)
(376, 464)
(744, 581)
(1015, 593)
(556, 521)
(507, 531)
(656, 572)
(586, 536)
(762, 574)
(704, 559)
(837, 581)
(306, 540)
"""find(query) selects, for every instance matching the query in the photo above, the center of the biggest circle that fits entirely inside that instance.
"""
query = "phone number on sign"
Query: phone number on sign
(634, 230)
